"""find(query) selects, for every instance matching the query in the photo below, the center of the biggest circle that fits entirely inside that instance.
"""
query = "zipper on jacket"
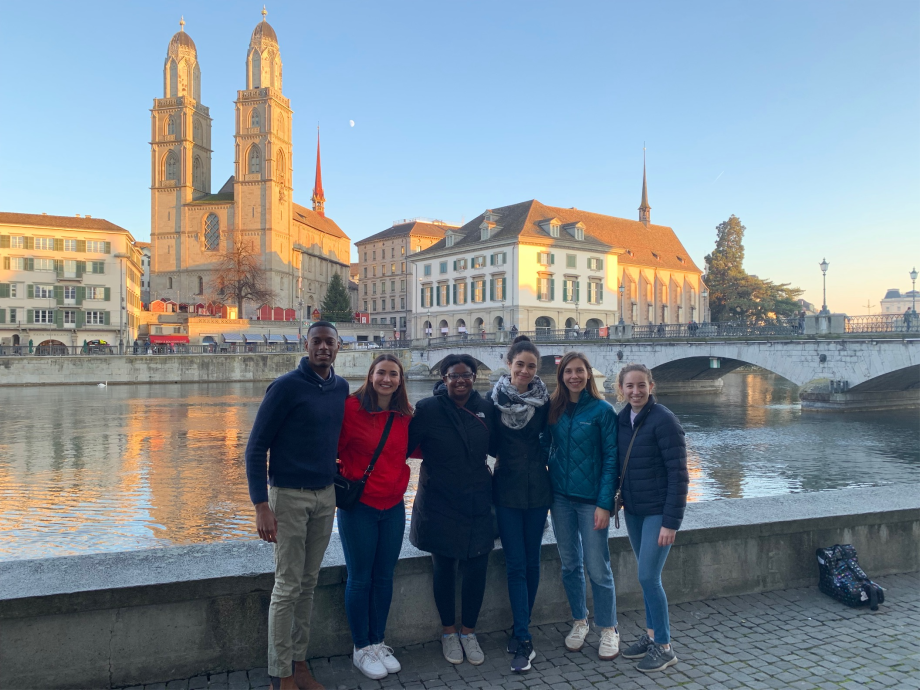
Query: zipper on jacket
(568, 442)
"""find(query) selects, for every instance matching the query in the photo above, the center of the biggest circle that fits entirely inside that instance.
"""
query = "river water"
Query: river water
(86, 469)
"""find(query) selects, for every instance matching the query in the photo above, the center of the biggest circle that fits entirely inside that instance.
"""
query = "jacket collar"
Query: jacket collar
(644, 412)
(313, 377)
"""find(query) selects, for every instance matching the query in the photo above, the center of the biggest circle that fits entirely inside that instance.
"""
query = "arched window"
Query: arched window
(211, 233)
(256, 70)
(197, 132)
(255, 120)
(255, 160)
(171, 124)
(197, 174)
(282, 167)
(281, 125)
(171, 167)
(200, 285)
(172, 89)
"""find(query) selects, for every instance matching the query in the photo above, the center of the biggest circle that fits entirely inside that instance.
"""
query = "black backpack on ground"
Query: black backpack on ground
(840, 577)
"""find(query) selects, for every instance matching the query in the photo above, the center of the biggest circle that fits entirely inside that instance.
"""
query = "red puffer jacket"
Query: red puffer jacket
(361, 431)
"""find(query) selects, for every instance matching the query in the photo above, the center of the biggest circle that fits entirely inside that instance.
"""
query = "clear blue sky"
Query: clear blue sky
(799, 117)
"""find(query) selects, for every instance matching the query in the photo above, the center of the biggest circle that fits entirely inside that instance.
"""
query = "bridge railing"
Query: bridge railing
(883, 323)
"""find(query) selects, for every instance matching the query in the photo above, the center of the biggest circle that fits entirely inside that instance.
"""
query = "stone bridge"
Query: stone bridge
(834, 373)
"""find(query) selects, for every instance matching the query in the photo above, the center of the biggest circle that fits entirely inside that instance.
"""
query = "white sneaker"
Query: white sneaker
(575, 640)
(385, 654)
(367, 662)
(609, 648)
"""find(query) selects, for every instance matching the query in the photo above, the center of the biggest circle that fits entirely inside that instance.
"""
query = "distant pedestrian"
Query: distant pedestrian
(514, 331)
(660, 330)
(297, 510)
(374, 442)
(693, 327)
(652, 480)
(802, 323)
(908, 317)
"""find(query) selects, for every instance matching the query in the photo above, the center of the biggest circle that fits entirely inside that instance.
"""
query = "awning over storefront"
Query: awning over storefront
(162, 339)
(275, 338)
(349, 339)
(233, 338)
(253, 337)
(291, 338)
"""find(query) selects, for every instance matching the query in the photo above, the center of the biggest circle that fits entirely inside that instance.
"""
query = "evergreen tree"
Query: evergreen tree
(736, 295)
(337, 304)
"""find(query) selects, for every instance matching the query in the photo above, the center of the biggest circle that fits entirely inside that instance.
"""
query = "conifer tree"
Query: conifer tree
(337, 304)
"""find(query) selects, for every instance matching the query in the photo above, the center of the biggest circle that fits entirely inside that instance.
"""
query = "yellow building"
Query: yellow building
(191, 228)
(67, 280)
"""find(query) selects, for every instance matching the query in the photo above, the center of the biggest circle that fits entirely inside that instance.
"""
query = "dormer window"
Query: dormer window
(550, 226)
(449, 239)
(490, 217)
(576, 230)
(484, 232)
(487, 228)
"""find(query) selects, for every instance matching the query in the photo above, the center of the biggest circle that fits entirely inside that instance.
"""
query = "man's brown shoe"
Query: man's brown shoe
(305, 679)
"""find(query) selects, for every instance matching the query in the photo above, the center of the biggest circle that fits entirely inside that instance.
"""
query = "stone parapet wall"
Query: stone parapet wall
(147, 616)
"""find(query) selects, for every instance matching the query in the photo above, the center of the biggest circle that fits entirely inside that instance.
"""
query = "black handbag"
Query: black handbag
(347, 491)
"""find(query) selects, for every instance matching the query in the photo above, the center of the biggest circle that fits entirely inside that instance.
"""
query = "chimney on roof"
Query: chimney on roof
(77, 215)
(644, 208)
(87, 216)
(319, 197)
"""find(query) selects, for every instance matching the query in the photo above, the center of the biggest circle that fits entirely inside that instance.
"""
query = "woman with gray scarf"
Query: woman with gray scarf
(522, 492)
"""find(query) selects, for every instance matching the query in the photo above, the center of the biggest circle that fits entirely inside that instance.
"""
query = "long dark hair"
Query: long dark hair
(367, 396)
(522, 344)
(560, 396)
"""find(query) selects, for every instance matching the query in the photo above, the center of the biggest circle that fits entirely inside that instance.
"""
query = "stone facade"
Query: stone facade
(191, 228)
(67, 280)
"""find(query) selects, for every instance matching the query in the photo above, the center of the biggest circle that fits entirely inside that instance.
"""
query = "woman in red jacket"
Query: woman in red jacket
(372, 531)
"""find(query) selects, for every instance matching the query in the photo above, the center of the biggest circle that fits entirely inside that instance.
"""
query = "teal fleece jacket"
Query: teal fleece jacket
(582, 452)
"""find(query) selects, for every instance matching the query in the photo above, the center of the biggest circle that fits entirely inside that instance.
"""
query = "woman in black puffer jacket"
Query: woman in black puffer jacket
(653, 480)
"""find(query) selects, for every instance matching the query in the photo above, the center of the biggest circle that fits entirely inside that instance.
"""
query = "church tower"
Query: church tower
(180, 162)
(262, 184)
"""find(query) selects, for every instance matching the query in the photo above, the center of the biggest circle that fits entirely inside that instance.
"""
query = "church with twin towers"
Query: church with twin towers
(192, 226)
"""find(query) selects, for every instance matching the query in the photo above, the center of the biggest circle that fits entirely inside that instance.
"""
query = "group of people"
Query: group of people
(566, 454)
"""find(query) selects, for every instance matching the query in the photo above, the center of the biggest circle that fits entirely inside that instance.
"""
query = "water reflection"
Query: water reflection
(86, 469)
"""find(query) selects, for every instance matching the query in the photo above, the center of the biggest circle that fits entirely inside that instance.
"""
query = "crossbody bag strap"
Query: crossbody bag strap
(383, 442)
(628, 451)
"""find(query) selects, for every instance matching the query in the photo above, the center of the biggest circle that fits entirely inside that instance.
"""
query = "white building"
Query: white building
(895, 302)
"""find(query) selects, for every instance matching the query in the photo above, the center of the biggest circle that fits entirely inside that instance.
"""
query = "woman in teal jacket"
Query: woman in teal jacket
(582, 440)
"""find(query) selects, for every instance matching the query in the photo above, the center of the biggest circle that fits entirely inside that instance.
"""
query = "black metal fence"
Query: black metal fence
(883, 323)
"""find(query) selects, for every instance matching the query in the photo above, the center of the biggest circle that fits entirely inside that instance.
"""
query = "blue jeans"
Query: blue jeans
(643, 533)
(579, 545)
(521, 533)
(371, 540)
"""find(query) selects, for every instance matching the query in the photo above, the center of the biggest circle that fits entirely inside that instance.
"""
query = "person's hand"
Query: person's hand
(666, 536)
(601, 518)
(266, 523)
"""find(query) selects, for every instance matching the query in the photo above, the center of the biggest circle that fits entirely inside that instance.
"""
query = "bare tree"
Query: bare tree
(238, 274)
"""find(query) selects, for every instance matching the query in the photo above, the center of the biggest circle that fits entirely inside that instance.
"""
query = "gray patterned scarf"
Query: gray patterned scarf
(521, 406)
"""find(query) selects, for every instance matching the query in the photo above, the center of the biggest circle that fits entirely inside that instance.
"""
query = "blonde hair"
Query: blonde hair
(626, 370)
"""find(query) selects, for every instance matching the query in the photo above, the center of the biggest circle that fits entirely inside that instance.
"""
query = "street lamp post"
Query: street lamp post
(300, 322)
(705, 296)
(913, 289)
(824, 265)
(622, 303)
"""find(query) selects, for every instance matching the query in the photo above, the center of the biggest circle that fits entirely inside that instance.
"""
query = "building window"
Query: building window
(44, 243)
(571, 261)
(392, 268)
(374, 271)
(171, 124)
(169, 284)
(70, 245)
(211, 232)
(443, 295)
(479, 261)
(402, 251)
(595, 264)
(43, 265)
(365, 289)
(392, 303)
(43, 316)
(96, 267)
(365, 256)
(70, 292)
(402, 302)
(70, 268)
(546, 289)
(17, 242)
(70, 318)
(479, 290)
(383, 286)
(95, 293)
(18, 263)
(43, 291)
(498, 289)
(172, 167)
(95, 247)
(402, 285)
(374, 289)
(383, 269)
(426, 270)
(196, 132)
(499, 259)
(255, 120)
(579, 234)
(95, 318)
(365, 271)
(459, 264)
(570, 290)
(14, 290)
(197, 174)
(365, 305)
(427, 296)
(374, 255)
(484, 233)
(460, 292)
(546, 258)
(255, 160)
(442, 267)
(200, 286)
(374, 305)
(595, 292)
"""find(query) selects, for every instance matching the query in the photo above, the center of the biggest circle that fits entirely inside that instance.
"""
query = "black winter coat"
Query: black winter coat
(452, 513)
(521, 477)
(656, 478)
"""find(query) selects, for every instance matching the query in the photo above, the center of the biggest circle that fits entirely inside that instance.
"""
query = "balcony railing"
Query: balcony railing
(883, 323)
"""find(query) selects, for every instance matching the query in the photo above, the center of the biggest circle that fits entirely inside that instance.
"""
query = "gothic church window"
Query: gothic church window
(172, 167)
(171, 124)
(198, 174)
(211, 232)
(200, 286)
(256, 70)
(196, 132)
(282, 168)
(255, 160)
(255, 120)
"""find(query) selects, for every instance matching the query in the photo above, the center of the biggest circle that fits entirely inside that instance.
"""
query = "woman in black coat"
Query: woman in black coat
(653, 481)
(452, 513)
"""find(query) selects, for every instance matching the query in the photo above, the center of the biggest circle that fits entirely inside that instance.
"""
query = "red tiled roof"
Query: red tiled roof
(314, 220)
(69, 222)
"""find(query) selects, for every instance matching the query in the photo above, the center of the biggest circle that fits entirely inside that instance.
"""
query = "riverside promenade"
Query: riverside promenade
(792, 638)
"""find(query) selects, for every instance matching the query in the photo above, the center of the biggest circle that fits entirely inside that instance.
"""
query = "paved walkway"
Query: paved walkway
(796, 638)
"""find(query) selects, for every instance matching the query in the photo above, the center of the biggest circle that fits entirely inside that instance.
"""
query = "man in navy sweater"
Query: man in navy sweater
(298, 426)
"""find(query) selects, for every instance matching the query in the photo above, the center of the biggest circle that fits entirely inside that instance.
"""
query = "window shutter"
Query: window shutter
(4, 289)
(108, 247)
(491, 289)
(59, 267)
(81, 268)
(599, 289)
(81, 317)
(81, 245)
(552, 258)
(107, 318)
(455, 293)
(29, 242)
(491, 259)
(455, 264)
(99, 267)
(438, 296)
(59, 294)
(30, 316)
(600, 263)
(4, 241)
(59, 318)
(30, 264)
(504, 257)
(81, 294)
(6, 263)
(539, 257)
(552, 289)
(2, 315)
(565, 291)
(108, 294)
(58, 244)
(30, 292)
(577, 290)
(504, 287)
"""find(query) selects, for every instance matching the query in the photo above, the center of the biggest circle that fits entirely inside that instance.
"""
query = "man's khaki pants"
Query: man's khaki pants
(304, 524)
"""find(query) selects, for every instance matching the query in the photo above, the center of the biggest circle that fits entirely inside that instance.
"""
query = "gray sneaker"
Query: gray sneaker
(638, 648)
(657, 659)
(473, 651)
(450, 647)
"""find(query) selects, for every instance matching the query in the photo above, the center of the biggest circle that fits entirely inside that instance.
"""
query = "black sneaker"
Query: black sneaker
(657, 659)
(523, 656)
(513, 643)
(638, 648)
